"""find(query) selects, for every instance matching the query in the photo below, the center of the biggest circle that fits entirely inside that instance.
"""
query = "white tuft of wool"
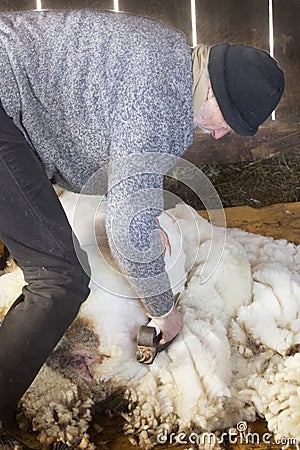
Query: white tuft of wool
(58, 410)
(278, 394)
(272, 318)
(11, 285)
(232, 359)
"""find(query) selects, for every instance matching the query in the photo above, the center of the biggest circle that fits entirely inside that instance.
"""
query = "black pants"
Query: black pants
(35, 229)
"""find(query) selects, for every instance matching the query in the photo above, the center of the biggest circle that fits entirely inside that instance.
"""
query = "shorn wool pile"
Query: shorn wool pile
(236, 357)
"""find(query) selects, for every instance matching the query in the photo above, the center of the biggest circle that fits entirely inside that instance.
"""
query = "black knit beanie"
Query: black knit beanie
(247, 83)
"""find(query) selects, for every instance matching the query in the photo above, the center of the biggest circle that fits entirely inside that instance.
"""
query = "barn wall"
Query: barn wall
(287, 51)
(243, 22)
(16, 5)
(76, 4)
(173, 12)
(21, 5)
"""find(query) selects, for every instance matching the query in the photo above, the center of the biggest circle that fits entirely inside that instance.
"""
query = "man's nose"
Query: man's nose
(220, 132)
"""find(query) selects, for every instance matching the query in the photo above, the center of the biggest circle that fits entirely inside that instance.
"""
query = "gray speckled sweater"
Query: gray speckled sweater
(99, 90)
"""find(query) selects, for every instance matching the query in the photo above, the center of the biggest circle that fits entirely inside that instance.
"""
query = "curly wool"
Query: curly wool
(58, 410)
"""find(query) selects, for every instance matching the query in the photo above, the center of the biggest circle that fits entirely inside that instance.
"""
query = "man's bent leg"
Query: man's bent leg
(35, 229)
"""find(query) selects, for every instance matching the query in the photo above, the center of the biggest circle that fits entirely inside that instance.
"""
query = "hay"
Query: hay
(257, 183)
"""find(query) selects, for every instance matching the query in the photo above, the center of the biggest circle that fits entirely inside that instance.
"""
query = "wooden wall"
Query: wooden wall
(287, 51)
(232, 21)
(74, 4)
(15, 5)
(173, 12)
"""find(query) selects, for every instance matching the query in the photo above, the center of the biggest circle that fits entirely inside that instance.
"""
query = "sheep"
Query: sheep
(235, 358)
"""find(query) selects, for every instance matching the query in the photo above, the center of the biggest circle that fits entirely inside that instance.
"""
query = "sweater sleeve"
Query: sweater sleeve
(142, 151)
(151, 123)
(133, 203)
(139, 157)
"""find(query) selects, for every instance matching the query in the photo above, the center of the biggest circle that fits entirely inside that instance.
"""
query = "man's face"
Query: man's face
(210, 118)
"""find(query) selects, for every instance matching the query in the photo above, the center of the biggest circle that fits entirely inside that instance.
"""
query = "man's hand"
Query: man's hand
(165, 242)
(170, 325)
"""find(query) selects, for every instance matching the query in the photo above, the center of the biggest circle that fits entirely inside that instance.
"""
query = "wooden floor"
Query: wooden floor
(279, 221)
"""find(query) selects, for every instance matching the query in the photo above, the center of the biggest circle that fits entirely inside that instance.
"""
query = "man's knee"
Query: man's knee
(85, 290)
(82, 272)
(58, 285)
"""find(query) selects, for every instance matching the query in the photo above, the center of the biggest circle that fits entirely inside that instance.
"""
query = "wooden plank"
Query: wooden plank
(77, 4)
(273, 138)
(232, 21)
(285, 143)
(278, 221)
(287, 51)
(173, 13)
(17, 5)
(281, 221)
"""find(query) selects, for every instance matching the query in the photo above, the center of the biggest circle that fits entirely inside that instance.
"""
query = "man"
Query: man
(85, 92)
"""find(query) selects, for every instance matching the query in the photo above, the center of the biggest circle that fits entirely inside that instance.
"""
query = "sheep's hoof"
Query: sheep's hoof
(61, 446)
(9, 443)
